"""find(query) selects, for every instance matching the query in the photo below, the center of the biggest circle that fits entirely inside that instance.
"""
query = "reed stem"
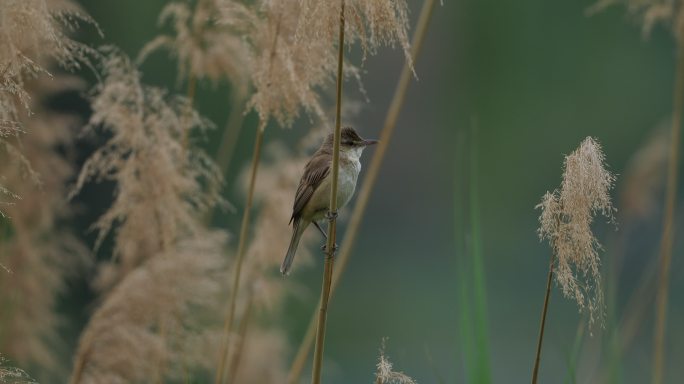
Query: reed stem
(242, 335)
(332, 214)
(668, 220)
(537, 359)
(369, 182)
(244, 230)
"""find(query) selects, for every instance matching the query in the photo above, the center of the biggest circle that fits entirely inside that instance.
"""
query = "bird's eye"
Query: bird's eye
(347, 142)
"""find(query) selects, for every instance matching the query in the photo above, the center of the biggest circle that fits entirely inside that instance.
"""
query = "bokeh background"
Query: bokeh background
(515, 86)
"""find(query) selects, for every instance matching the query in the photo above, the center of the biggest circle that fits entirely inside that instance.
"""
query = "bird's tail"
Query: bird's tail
(297, 230)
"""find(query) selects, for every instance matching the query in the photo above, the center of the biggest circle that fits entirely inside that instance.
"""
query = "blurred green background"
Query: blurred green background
(535, 78)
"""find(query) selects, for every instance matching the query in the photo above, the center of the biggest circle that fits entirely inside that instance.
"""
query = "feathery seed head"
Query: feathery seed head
(385, 374)
(204, 46)
(566, 219)
(650, 13)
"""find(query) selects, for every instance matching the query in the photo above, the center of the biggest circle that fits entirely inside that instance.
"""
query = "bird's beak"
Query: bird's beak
(370, 142)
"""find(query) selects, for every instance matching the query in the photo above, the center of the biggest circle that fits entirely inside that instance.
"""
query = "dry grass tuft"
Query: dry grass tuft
(385, 374)
(566, 220)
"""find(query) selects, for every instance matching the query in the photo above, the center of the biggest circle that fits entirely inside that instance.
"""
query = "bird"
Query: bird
(312, 200)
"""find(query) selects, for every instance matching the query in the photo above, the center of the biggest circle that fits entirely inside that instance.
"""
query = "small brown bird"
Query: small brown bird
(312, 200)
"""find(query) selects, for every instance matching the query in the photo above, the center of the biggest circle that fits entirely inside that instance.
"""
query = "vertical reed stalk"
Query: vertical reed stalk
(537, 359)
(368, 182)
(224, 154)
(242, 242)
(332, 214)
(242, 335)
(668, 219)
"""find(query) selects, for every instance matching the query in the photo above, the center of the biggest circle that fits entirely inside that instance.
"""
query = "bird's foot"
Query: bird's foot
(324, 247)
(331, 215)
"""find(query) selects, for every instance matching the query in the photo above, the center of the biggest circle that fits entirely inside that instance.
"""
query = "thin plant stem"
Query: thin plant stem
(537, 359)
(224, 154)
(242, 335)
(244, 229)
(668, 220)
(228, 325)
(363, 198)
(332, 214)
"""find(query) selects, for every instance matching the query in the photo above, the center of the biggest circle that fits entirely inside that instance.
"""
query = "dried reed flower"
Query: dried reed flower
(41, 253)
(13, 375)
(150, 327)
(167, 264)
(204, 47)
(644, 178)
(31, 32)
(162, 188)
(385, 373)
(565, 221)
(278, 178)
(650, 13)
(373, 23)
(285, 74)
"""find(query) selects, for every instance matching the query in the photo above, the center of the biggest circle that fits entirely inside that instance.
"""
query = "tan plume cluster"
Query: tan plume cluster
(205, 47)
(31, 32)
(373, 23)
(385, 373)
(40, 252)
(9, 374)
(162, 186)
(650, 13)
(167, 264)
(150, 326)
(565, 221)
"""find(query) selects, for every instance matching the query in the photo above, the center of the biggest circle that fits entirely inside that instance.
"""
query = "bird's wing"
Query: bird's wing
(315, 171)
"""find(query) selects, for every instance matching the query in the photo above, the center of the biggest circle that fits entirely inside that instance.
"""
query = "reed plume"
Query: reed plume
(204, 46)
(565, 221)
(385, 373)
(13, 375)
(670, 13)
(160, 187)
(38, 248)
(166, 265)
(33, 34)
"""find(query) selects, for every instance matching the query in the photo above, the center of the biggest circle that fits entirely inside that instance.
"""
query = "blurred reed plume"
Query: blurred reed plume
(385, 373)
(161, 188)
(565, 221)
(166, 265)
(33, 36)
(204, 46)
(35, 244)
(671, 13)
(262, 290)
